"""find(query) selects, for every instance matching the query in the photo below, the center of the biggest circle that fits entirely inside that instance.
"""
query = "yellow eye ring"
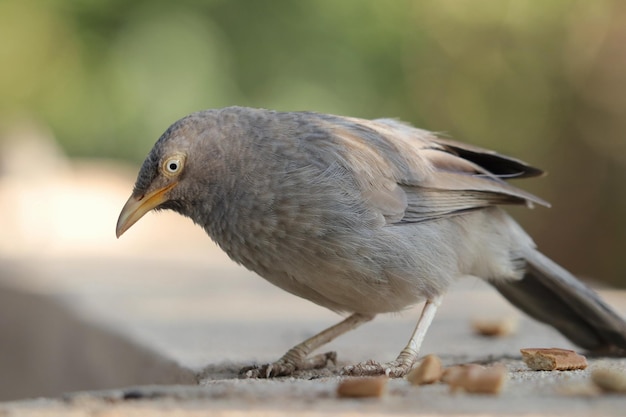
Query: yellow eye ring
(173, 165)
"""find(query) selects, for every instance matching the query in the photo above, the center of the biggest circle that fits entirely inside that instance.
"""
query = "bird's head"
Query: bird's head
(166, 178)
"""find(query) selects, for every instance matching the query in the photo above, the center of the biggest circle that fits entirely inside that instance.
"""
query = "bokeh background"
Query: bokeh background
(543, 81)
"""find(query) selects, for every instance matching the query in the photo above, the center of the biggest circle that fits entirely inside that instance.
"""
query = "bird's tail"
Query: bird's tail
(552, 295)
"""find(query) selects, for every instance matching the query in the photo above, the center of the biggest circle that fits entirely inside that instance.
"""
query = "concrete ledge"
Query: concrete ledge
(526, 393)
(46, 350)
(179, 322)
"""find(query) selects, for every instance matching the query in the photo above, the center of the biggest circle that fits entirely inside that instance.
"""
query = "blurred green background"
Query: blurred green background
(543, 81)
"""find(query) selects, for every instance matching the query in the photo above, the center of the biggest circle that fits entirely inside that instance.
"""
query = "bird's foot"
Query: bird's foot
(287, 366)
(393, 369)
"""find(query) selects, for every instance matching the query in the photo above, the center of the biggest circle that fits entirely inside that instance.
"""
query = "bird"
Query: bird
(363, 217)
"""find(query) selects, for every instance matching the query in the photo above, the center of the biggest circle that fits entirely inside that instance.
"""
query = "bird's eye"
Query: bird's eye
(173, 165)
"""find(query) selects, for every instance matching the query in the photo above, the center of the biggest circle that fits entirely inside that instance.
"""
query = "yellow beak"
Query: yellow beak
(136, 207)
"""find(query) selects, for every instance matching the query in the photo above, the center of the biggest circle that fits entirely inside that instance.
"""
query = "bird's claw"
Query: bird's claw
(393, 369)
(268, 370)
(287, 367)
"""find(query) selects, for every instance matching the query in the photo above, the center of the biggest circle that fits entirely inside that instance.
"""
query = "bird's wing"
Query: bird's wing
(411, 175)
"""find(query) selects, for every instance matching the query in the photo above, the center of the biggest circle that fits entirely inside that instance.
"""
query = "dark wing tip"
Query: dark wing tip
(499, 165)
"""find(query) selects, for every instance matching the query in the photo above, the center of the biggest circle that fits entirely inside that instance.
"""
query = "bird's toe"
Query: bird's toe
(269, 370)
(287, 367)
(392, 369)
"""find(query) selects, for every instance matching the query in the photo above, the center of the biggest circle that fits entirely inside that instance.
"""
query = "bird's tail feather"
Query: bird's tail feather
(552, 295)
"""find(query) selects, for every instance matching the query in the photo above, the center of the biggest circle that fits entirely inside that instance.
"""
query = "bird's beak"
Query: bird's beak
(137, 206)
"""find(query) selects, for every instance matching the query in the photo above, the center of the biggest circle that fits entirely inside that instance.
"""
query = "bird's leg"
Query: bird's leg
(408, 356)
(297, 357)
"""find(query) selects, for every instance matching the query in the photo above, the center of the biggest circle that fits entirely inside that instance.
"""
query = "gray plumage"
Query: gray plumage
(364, 216)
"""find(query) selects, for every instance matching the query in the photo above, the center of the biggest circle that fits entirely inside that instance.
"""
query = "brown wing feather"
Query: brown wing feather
(411, 175)
(497, 164)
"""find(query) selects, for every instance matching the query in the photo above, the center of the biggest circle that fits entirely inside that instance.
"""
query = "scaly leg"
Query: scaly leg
(297, 357)
(405, 360)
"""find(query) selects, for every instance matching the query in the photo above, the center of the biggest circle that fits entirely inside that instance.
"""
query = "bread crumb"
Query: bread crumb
(611, 380)
(495, 328)
(553, 359)
(362, 387)
(429, 371)
(476, 379)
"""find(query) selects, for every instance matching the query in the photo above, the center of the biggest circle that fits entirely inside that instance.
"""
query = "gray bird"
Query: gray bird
(362, 217)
